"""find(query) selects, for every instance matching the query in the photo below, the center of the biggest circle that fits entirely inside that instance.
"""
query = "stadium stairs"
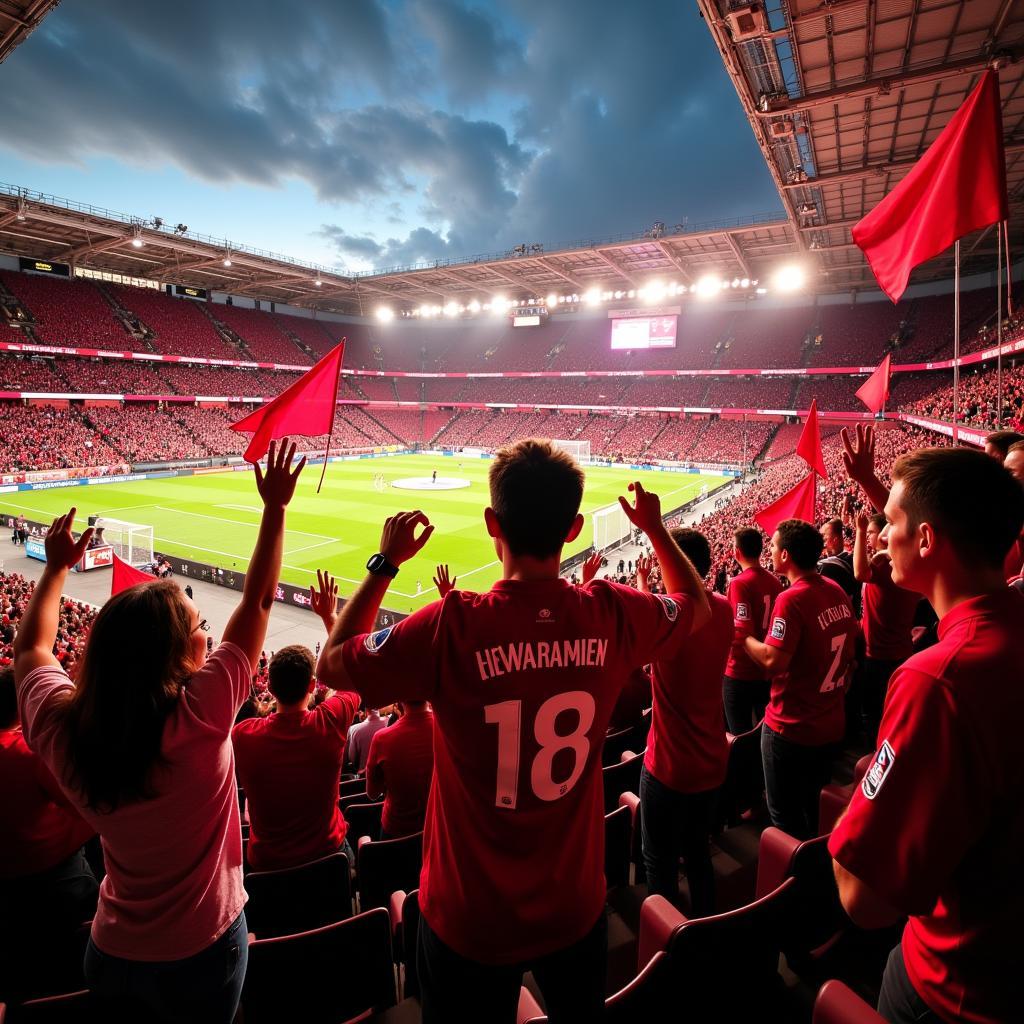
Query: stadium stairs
(229, 336)
(133, 323)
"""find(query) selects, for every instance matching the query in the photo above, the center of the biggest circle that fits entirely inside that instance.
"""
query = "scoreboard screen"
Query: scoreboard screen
(644, 332)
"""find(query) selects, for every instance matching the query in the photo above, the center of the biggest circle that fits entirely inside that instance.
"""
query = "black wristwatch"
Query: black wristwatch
(380, 566)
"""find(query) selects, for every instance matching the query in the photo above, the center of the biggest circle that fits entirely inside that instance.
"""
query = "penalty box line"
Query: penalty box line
(252, 526)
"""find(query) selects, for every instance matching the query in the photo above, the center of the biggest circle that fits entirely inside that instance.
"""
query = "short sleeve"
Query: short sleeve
(219, 688)
(339, 709)
(39, 695)
(785, 625)
(397, 662)
(653, 624)
(742, 612)
(375, 781)
(921, 802)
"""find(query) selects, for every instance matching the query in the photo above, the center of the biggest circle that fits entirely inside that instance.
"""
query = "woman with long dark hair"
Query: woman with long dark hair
(142, 747)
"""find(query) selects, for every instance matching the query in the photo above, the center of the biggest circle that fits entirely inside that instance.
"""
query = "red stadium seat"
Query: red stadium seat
(363, 817)
(405, 923)
(632, 801)
(743, 789)
(77, 1008)
(386, 866)
(621, 778)
(836, 1004)
(618, 835)
(340, 971)
(298, 899)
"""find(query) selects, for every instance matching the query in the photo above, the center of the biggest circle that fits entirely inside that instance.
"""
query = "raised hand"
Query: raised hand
(442, 582)
(590, 567)
(398, 541)
(859, 454)
(323, 598)
(862, 522)
(276, 485)
(643, 568)
(645, 512)
(62, 550)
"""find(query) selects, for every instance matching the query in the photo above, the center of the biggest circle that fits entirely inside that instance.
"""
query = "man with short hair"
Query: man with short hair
(360, 736)
(745, 686)
(934, 830)
(400, 767)
(837, 565)
(522, 680)
(687, 753)
(1013, 566)
(998, 443)
(807, 653)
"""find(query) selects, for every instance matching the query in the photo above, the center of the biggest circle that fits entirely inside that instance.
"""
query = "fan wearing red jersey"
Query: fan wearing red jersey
(522, 680)
(745, 686)
(807, 653)
(934, 830)
(685, 761)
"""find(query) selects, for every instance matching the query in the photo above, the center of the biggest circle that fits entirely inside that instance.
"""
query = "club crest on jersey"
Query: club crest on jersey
(375, 641)
(778, 629)
(671, 608)
(879, 771)
(742, 610)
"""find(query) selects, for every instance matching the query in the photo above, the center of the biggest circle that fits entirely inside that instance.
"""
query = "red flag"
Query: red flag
(874, 392)
(305, 407)
(959, 185)
(797, 503)
(809, 445)
(126, 575)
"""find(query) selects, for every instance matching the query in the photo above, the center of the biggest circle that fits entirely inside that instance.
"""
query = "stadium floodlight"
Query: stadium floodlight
(619, 295)
(385, 314)
(424, 310)
(592, 296)
(474, 306)
(655, 291)
(498, 305)
(451, 309)
(790, 278)
(708, 285)
(227, 258)
(744, 282)
(318, 282)
(137, 241)
(631, 293)
(552, 300)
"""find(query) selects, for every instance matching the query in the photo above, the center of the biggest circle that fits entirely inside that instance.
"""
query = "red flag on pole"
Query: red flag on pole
(959, 185)
(874, 392)
(305, 407)
(126, 575)
(809, 445)
(797, 503)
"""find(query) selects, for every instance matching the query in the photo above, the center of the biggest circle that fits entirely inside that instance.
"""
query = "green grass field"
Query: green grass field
(214, 518)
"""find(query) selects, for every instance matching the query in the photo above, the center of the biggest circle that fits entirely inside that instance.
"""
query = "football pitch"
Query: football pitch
(214, 518)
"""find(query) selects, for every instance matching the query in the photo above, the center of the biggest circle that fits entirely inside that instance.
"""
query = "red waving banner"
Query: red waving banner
(797, 503)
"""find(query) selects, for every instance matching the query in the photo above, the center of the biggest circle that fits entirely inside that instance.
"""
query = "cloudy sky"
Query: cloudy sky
(372, 133)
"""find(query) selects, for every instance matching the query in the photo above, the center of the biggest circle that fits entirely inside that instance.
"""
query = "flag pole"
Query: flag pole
(1009, 270)
(956, 342)
(999, 330)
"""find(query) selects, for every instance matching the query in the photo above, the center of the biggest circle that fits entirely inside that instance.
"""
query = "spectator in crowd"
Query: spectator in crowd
(526, 846)
(807, 653)
(289, 762)
(837, 565)
(1014, 461)
(933, 831)
(745, 688)
(685, 761)
(1013, 567)
(887, 620)
(400, 768)
(361, 734)
(141, 748)
(998, 443)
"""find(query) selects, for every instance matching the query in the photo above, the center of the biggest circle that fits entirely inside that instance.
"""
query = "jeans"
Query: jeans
(453, 988)
(675, 825)
(744, 701)
(793, 777)
(898, 1002)
(204, 988)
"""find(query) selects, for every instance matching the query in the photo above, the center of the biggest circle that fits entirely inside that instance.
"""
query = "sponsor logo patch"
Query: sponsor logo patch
(778, 629)
(742, 610)
(375, 641)
(876, 775)
(671, 608)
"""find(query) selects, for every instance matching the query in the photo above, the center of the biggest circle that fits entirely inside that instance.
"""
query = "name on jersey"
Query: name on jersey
(836, 613)
(586, 652)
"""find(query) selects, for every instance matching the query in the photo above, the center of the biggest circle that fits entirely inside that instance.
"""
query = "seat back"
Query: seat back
(743, 788)
(410, 931)
(348, 787)
(618, 835)
(76, 1008)
(387, 865)
(363, 820)
(616, 743)
(299, 899)
(836, 1004)
(360, 947)
(621, 778)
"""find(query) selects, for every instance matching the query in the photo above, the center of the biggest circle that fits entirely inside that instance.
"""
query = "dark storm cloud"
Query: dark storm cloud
(496, 124)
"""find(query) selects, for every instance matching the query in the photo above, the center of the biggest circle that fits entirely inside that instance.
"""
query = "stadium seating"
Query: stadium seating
(262, 334)
(836, 1004)
(298, 899)
(179, 326)
(384, 866)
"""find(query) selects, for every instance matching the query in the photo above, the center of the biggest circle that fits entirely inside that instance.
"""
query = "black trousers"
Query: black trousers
(898, 1002)
(874, 683)
(744, 701)
(454, 988)
(793, 777)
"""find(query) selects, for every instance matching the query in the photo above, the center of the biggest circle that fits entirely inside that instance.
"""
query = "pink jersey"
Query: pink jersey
(522, 680)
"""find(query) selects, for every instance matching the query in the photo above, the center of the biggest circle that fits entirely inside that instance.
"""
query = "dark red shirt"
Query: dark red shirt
(289, 765)
(936, 827)
(812, 620)
(888, 614)
(522, 680)
(687, 749)
(751, 595)
(401, 766)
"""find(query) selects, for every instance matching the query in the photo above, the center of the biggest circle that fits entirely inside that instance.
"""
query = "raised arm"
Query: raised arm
(861, 559)
(444, 582)
(677, 570)
(37, 630)
(323, 598)
(247, 626)
(859, 459)
(643, 574)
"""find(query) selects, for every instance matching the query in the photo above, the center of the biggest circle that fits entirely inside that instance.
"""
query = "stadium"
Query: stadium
(745, 370)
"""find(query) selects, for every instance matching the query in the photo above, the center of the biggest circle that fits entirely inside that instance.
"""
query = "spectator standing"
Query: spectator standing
(361, 734)
(141, 748)
(837, 565)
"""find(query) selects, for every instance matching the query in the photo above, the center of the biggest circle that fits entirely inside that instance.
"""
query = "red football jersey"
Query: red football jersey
(812, 620)
(751, 595)
(686, 749)
(522, 680)
(888, 614)
(400, 765)
(937, 825)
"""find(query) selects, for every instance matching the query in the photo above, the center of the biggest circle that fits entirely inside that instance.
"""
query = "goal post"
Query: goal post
(579, 450)
(132, 542)
(611, 527)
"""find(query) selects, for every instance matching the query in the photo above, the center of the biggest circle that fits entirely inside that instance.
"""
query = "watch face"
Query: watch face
(375, 563)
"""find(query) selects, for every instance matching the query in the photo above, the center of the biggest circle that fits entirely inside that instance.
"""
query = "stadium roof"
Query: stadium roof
(18, 19)
(844, 96)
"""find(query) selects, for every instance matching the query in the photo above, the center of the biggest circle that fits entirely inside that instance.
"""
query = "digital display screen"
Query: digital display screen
(44, 267)
(644, 332)
(189, 292)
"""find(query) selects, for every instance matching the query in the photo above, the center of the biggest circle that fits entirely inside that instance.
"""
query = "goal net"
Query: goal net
(132, 542)
(611, 527)
(579, 450)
